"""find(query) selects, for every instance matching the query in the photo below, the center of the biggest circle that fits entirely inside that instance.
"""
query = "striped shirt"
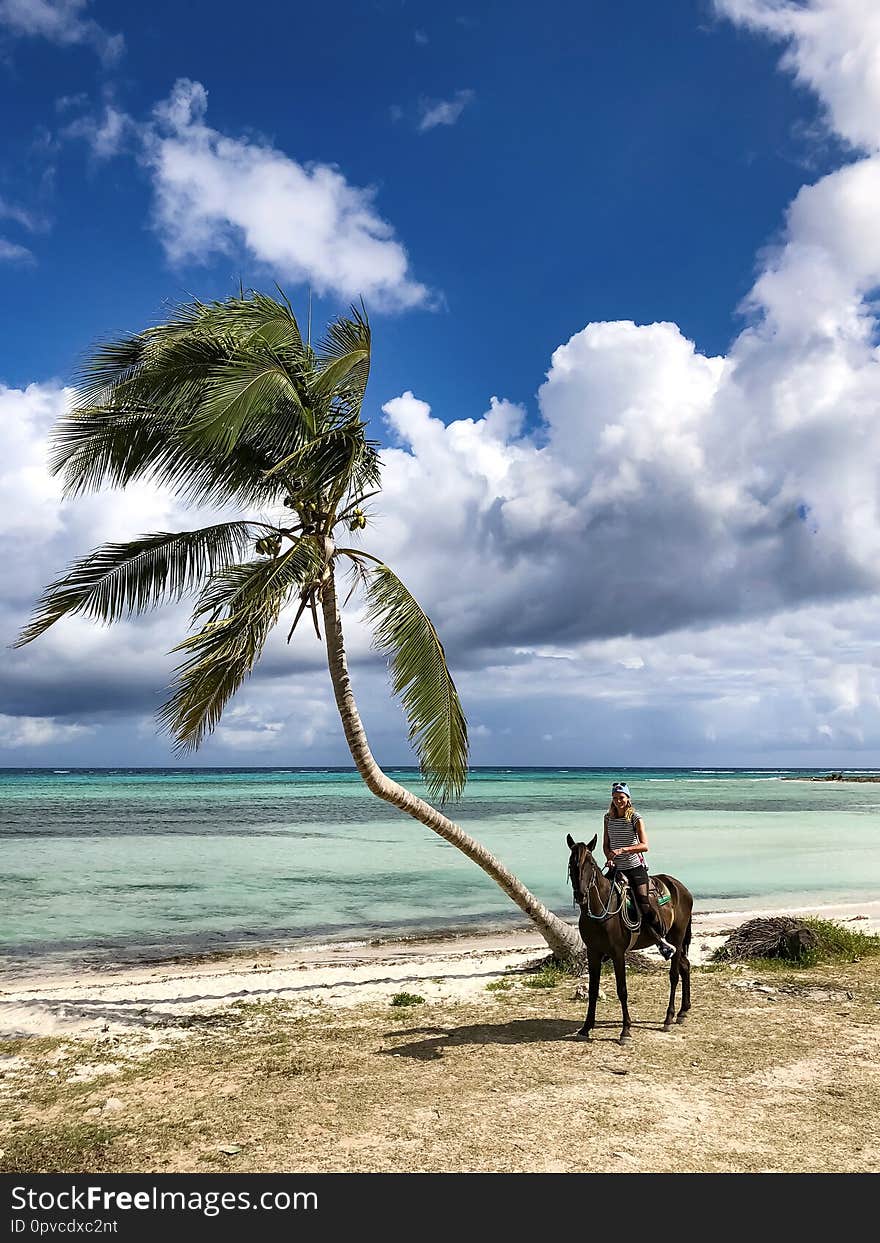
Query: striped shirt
(622, 832)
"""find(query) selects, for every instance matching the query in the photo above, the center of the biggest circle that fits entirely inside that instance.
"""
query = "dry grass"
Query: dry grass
(784, 1080)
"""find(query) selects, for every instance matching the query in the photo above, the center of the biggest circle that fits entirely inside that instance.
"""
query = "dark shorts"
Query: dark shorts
(636, 876)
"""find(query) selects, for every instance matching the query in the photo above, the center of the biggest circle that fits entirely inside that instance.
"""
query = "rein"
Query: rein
(585, 905)
(606, 913)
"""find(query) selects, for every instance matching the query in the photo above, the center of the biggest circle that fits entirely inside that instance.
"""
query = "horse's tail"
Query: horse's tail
(686, 943)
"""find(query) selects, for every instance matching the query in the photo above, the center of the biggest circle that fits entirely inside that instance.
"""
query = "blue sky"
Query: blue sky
(628, 223)
(621, 161)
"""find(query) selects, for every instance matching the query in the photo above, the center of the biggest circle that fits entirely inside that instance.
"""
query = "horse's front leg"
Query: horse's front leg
(620, 976)
(594, 967)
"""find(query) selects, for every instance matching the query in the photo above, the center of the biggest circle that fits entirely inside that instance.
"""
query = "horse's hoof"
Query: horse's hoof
(583, 1033)
(624, 1037)
(681, 1018)
(667, 1026)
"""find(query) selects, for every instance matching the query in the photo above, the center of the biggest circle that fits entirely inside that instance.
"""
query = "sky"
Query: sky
(622, 265)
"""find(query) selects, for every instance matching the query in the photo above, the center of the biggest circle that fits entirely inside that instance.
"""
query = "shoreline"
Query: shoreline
(160, 1002)
(99, 960)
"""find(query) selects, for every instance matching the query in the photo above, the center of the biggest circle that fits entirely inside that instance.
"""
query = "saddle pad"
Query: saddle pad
(660, 891)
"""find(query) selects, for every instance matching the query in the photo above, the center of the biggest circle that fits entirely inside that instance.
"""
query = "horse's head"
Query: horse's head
(581, 865)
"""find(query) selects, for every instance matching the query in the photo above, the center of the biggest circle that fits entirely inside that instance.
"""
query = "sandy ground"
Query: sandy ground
(143, 999)
(302, 1063)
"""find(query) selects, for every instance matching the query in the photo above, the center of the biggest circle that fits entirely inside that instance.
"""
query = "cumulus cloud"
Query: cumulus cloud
(664, 489)
(304, 222)
(115, 678)
(436, 112)
(804, 682)
(832, 49)
(60, 21)
(215, 194)
(77, 668)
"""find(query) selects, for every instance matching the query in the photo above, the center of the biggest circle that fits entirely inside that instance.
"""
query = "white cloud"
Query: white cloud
(11, 252)
(436, 112)
(304, 222)
(665, 489)
(38, 731)
(107, 135)
(832, 49)
(21, 215)
(78, 667)
(62, 22)
(268, 719)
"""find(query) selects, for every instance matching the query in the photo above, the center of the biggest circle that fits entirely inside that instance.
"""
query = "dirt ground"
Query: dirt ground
(774, 1071)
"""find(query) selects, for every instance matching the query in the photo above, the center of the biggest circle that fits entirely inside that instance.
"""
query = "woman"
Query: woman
(626, 844)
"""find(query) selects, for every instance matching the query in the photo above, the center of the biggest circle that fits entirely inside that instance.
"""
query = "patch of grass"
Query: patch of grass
(839, 944)
(499, 986)
(406, 999)
(17, 1046)
(80, 1148)
(289, 1068)
(547, 977)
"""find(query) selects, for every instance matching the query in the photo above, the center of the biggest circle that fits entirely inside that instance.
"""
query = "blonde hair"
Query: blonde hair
(628, 813)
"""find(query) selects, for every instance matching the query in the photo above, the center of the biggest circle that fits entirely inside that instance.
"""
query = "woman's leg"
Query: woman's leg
(649, 917)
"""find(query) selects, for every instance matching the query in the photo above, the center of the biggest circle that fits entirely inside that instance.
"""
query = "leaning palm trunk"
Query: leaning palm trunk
(562, 938)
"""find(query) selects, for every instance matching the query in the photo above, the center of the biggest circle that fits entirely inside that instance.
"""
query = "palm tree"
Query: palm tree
(227, 405)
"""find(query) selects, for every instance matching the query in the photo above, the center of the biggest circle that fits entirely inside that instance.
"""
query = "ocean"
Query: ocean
(104, 866)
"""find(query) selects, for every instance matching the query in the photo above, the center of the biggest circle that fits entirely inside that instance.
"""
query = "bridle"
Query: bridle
(575, 867)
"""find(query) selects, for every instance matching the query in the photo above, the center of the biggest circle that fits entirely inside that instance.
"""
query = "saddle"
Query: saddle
(658, 895)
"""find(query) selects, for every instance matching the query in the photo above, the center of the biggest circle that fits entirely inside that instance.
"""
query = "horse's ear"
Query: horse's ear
(569, 841)
(591, 846)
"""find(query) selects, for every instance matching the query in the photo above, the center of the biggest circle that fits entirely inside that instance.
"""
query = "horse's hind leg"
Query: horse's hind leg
(594, 967)
(685, 987)
(674, 972)
(685, 966)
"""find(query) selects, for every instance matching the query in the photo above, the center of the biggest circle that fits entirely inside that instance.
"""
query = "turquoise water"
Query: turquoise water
(123, 864)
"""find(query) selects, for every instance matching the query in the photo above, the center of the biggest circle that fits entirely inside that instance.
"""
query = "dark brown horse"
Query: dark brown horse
(605, 933)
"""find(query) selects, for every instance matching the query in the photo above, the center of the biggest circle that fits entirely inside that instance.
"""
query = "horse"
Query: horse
(606, 935)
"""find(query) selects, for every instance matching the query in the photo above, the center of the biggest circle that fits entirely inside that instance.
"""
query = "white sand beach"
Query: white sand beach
(159, 1001)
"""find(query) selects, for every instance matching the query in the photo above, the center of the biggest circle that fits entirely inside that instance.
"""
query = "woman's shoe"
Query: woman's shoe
(666, 949)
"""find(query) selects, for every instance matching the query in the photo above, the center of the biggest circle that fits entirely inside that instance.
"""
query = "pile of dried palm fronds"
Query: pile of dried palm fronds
(778, 937)
(637, 961)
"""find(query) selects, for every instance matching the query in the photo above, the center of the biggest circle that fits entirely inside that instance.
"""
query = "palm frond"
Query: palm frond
(252, 318)
(344, 363)
(247, 389)
(197, 334)
(106, 447)
(332, 464)
(420, 676)
(241, 606)
(218, 377)
(116, 580)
